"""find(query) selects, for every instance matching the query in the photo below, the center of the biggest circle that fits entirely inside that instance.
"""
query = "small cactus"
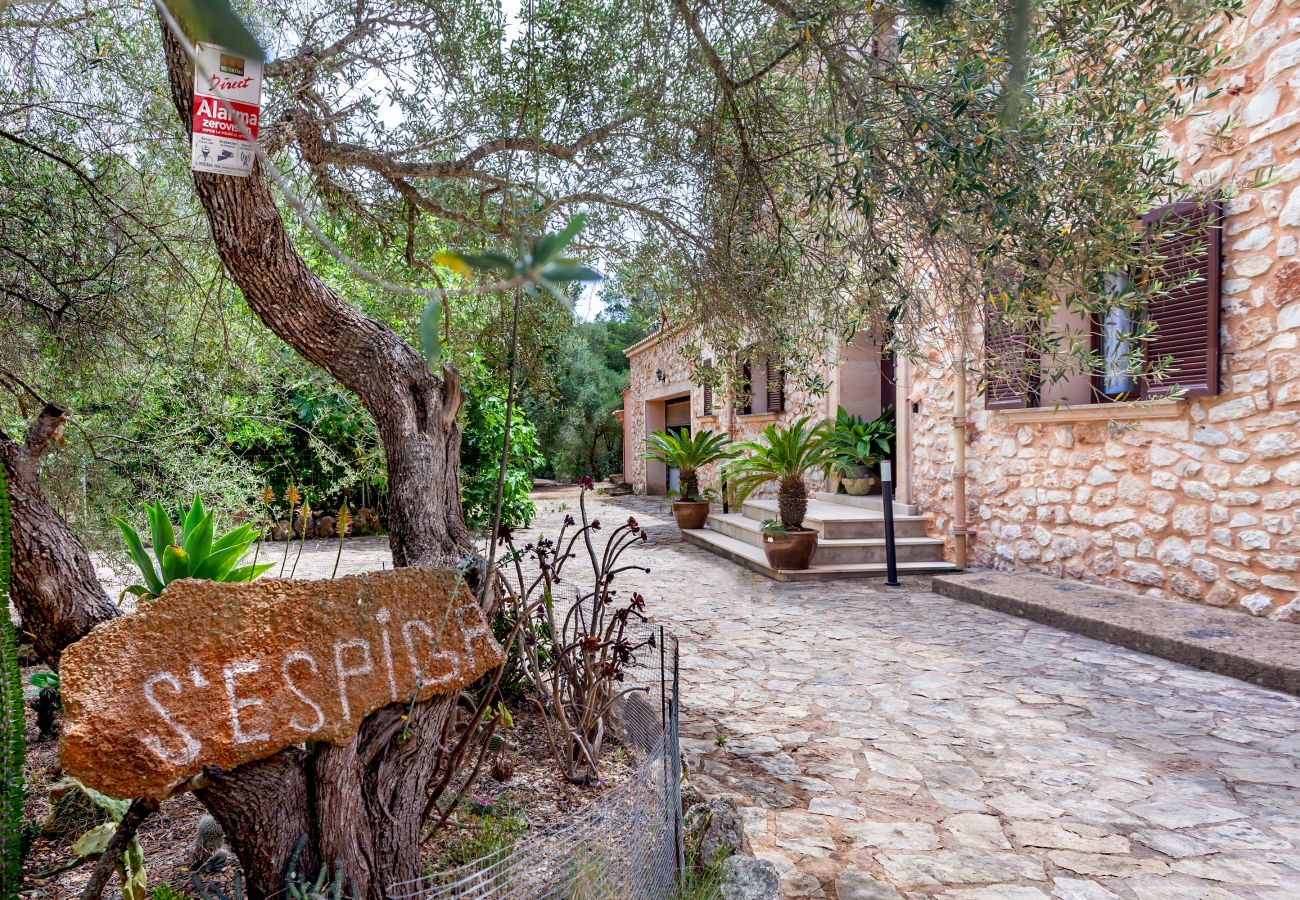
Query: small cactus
(207, 841)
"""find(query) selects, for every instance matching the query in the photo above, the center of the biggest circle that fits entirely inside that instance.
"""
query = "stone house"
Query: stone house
(1195, 496)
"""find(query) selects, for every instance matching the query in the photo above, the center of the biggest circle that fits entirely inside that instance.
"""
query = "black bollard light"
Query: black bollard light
(887, 489)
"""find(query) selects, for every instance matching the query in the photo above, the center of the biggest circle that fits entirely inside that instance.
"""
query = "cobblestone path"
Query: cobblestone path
(898, 743)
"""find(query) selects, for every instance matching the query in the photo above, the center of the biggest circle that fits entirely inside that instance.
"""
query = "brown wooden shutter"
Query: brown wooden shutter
(1188, 238)
(1010, 368)
(707, 390)
(775, 387)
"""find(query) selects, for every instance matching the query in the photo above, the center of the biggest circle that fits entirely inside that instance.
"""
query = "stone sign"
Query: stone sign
(223, 674)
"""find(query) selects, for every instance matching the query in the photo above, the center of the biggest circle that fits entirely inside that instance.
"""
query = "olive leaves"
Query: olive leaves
(535, 267)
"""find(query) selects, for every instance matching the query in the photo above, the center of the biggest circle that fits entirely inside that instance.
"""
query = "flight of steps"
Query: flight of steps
(851, 539)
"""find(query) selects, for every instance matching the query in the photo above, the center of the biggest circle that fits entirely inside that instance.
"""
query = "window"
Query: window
(1187, 240)
(1114, 336)
(771, 397)
(707, 390)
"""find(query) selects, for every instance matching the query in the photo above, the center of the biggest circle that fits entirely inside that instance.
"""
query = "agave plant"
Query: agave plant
(783, 454)
(688, 453)
(196, 555)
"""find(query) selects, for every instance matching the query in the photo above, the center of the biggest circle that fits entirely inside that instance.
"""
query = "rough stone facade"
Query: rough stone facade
(662, 354)
(1197, 499)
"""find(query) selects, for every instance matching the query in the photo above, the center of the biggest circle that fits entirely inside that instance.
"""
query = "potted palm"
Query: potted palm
(856, 446)
(688, 453)
(783, 455)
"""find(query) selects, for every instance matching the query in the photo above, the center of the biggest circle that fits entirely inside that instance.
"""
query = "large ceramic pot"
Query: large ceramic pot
(690, 514)
(858, 481)
(794, 551)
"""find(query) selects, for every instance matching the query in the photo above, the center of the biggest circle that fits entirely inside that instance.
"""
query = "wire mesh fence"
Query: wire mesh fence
(628, 843)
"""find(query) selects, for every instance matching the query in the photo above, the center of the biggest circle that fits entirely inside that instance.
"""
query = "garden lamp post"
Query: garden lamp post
(887, 490)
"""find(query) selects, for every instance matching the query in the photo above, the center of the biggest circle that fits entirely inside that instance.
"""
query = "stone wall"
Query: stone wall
(1196, 499)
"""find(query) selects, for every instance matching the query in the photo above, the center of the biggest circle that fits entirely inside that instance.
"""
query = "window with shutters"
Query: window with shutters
(1185, 240)
(775, 386)
(1010, 368)
(706, 390)
(745, 389)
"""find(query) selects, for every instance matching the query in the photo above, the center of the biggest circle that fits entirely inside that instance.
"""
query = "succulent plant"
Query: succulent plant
(196, 555)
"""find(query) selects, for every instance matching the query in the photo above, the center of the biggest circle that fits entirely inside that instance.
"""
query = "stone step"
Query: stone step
(835, 552)
(753, 558)
(871, 501)
(1261, 651)
(839, 522)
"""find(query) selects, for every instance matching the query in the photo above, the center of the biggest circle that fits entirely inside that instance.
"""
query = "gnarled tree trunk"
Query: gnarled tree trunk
(361, 804)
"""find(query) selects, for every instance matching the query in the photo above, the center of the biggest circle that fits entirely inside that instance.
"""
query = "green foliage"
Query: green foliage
(13, 726)
(574, 398)
(774, 528)
(489, 830)
(483, 423)
(689, 453)
(852, 441)
(535, 264)
(130, 867)
(197, 555)
(327, 886)
(215, 22)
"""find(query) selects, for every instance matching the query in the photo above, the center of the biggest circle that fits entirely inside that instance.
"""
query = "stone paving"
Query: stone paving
(887, 743)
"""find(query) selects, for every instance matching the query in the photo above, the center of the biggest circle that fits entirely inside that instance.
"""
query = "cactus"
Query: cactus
(13, 728)
(207, 841)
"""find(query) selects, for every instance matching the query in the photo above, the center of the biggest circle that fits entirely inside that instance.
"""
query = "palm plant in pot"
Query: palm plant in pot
(856, 446)
(689, 453)
(784, 455)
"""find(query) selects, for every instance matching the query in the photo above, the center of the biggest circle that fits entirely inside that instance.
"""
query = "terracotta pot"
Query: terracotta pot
(690, 514)
(794, 551)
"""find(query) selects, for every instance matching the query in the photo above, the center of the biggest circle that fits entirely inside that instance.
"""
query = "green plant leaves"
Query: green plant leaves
(198, 555)
(192, 518)
(160, 527)
(95, 841)
(175, 564)
(45, 680)
(198, 542)
(135, 548)
(215, 22)
(247, 573)
(548, 246)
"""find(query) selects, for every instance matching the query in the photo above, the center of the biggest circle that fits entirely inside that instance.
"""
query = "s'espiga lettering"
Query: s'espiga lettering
(231, 673)
(353, 658)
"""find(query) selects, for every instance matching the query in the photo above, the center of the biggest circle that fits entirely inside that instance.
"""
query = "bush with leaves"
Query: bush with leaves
(484, 417)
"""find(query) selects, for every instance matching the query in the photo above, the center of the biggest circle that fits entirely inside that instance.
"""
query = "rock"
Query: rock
(716, 829)
(281, 531)
(893, 835)
(325, 527)
(220, 675)
(854, 884)
(692, 795)
(746, 878)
